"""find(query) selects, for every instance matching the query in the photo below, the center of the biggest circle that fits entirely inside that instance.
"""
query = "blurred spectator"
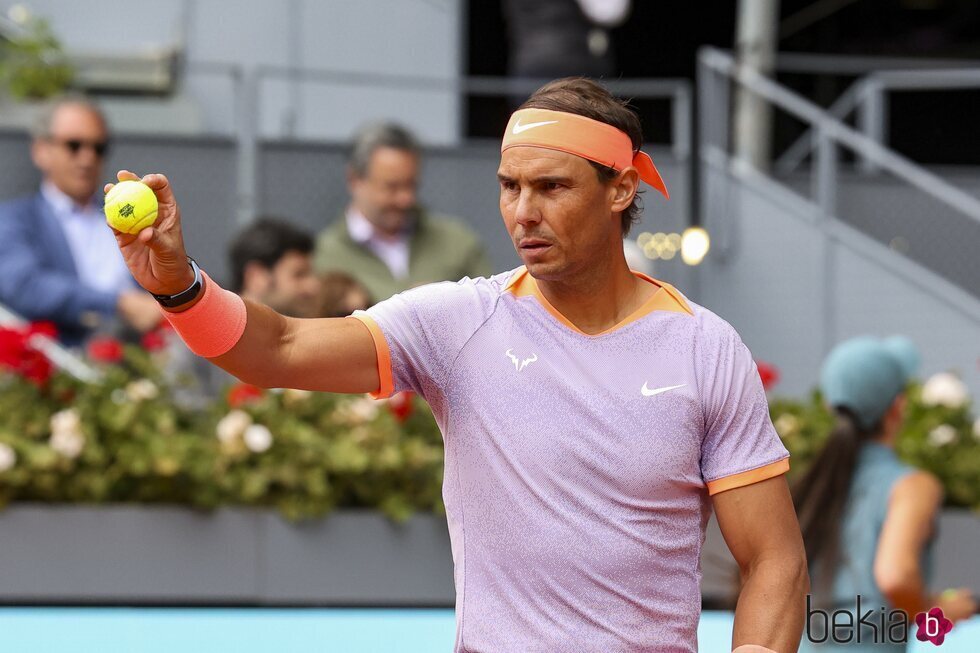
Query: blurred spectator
(59, 261)
(385, 239)
(271, 263)
(868, 519)
(562, 38)
(341, 295)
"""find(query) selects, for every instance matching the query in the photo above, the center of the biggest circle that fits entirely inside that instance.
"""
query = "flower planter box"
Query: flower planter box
(170, 555)
(159, 555)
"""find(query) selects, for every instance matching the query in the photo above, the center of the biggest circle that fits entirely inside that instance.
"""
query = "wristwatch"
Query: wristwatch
(184, 296)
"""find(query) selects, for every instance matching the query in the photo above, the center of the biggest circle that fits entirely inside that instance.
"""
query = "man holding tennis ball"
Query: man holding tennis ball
(593, 417)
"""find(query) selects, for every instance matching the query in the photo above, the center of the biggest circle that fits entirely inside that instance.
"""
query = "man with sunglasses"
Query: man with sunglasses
(57, 260)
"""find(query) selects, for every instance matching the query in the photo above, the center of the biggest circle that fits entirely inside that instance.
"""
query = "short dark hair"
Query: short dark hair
(372, 137)
(586, 97)
(265, 241)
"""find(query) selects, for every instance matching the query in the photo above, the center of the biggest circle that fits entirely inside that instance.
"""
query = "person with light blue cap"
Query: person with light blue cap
(869, 519)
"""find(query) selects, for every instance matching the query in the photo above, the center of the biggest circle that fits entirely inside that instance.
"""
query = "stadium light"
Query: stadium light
(695, 244)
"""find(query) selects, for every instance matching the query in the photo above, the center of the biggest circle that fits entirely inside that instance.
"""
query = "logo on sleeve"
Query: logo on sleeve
(520, 363)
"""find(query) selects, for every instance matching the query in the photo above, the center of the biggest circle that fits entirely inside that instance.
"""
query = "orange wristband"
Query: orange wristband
(753, 648)
(213, 325)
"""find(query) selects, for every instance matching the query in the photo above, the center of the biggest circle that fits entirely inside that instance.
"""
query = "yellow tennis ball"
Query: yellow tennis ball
(130, 206)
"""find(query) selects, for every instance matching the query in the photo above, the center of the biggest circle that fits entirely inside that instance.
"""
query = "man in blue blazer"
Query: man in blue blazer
(58, 259)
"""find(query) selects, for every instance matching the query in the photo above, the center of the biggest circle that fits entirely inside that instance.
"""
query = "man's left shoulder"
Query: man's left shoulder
(712, 330)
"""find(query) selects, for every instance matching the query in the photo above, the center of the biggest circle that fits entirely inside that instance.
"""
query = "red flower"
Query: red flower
(36, 368)
(153, 340)
(42, 328)
(17, 354)
(12, 346)
(401, 405)
(768, 373)
(243, 393)
(105, 350)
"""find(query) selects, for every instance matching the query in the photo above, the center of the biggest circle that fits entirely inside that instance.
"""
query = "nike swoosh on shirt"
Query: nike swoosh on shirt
(647, 392)
(518, 127)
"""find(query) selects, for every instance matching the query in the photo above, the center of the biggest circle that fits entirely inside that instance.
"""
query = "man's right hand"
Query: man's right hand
(156, 256)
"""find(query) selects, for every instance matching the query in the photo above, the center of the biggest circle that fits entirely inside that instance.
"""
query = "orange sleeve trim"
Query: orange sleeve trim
(384, 356)
(748, 478)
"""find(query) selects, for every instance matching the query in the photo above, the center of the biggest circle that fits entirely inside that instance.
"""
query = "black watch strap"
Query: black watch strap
(186, 295)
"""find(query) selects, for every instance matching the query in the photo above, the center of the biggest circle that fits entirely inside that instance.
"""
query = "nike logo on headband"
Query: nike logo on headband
(518, 127)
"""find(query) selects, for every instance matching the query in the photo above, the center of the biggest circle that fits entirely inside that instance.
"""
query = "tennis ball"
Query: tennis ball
(130, 206)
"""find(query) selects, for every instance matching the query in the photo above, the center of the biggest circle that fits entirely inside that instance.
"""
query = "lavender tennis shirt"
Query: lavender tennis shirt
(578, 467)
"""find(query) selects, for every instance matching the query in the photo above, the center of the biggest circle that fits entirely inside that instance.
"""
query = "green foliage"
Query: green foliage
(136, 445)
(33, 64)
(940, 439)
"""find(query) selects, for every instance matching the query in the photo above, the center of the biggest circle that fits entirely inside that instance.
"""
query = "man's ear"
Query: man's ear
(40, 152)
(256, 278)
(353, 179)
(623, 188)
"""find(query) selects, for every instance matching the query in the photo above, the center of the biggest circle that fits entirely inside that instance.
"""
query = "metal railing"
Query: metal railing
(830, 132)
(719, 73)
(869, 97)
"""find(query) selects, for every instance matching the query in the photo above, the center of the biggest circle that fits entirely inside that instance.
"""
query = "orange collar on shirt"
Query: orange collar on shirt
(581, 136)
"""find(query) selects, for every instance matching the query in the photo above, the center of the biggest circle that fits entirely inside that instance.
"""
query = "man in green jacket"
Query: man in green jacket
(385, 239)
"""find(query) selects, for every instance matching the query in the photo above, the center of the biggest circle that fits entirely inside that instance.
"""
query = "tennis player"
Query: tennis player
(592, 416)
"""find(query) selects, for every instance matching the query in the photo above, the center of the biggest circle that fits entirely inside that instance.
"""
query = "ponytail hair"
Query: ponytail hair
(821, 494)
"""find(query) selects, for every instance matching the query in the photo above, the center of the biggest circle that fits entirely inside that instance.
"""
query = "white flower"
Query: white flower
(944, 389)
(66, 421)
(363, 409)
(942, 435)
(66, 433)
(8, 457)
(257, 438)
(67, 443)
(19, 14)
(976, 430)
(232, 426)
(786, 424)
(142, 390)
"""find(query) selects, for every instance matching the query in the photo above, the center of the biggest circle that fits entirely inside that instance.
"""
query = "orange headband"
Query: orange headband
(581, 136)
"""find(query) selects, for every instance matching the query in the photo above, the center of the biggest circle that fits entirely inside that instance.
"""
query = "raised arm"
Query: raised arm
(333, 355)
(327, 355)
(761, 530)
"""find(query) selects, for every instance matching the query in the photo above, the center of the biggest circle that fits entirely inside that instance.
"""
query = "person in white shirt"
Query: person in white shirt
(58, 260)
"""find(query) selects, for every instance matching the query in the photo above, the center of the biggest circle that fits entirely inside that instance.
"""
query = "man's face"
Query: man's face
(386, 194)
(69, 156)
(290, 287)
(557, 212)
